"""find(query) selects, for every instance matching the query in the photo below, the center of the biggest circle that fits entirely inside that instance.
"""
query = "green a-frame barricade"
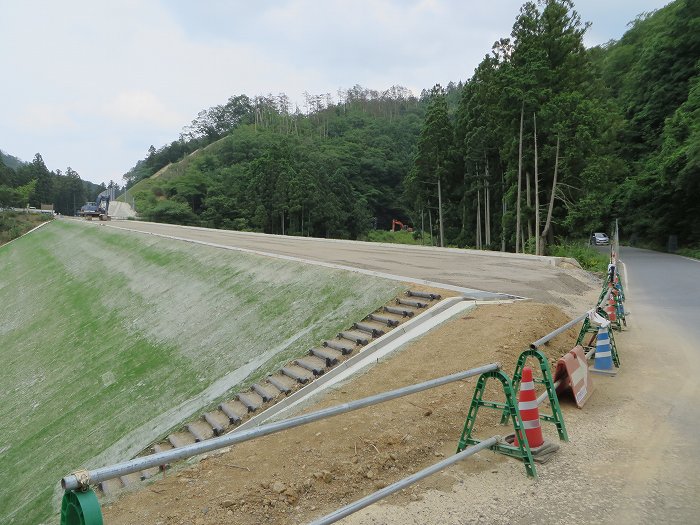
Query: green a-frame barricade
(546, 380)
(80, 507)
(522, 451)
(590, 328)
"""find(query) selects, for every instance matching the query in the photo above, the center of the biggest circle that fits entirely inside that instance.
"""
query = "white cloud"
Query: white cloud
(45, 118)
(141, 106)
(93, 84)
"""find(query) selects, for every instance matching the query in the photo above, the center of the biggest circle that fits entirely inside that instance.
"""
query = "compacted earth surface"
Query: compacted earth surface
(304, 473)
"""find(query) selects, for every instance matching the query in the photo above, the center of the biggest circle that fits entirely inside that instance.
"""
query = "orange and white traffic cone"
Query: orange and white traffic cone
(529, 412)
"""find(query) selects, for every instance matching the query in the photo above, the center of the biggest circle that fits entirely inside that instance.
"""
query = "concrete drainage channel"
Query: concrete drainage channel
(302, 377)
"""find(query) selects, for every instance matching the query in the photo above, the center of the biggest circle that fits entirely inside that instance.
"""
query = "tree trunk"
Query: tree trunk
(487, 211)
(551, 199)
(478, 219)
(538, 248)
(504, 209)
(528, 200)
(520, 177)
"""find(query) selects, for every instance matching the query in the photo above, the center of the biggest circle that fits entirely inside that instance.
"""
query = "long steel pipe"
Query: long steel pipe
(552, 335)
(70, 481)
(395, 487)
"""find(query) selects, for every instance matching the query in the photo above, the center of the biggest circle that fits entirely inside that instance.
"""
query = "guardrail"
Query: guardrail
(83, 479)
(395, 487)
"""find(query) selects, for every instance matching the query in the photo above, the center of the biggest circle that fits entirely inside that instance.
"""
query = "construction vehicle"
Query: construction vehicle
(401, 225)
(97, 209)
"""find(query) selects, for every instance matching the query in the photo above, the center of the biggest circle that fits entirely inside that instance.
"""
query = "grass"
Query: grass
(14, 224)
(109, 339)
(689, 252)
(398, 237)
(588, 257)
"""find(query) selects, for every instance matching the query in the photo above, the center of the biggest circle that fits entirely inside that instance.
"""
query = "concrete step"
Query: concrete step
(400, 310)
(156, 448)
(355, 336)
(251, 400)
(149, 473)
(234, 410)
(299, 374)
(281, 383)
(371, 328)
(415, 303)
(218, 421)
(328, 354)
(130, 479)
(201, 430)
(384, 319)
(180, 439)
(341, 345)
(313, 364)
(266, 391)
(162, 447)
(111, 486)
(425, 295)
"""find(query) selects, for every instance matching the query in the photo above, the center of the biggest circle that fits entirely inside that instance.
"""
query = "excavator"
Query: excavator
(97, 209)
(401, 225)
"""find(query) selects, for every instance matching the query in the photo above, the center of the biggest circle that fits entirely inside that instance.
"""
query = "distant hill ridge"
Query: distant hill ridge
(10, 160)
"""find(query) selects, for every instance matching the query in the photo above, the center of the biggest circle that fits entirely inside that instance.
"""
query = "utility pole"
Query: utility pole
(442, 244)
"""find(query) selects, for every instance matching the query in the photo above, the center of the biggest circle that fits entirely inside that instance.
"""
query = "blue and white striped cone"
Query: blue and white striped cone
(603, 363)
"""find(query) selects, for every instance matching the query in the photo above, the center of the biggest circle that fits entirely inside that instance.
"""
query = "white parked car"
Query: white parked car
(599, 239)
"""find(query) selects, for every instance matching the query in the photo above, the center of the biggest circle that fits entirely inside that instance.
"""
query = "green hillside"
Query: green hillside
(111, 338)
(617, 124)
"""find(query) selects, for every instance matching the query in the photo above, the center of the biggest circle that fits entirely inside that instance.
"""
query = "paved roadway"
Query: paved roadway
(521, 275)
(663, 378)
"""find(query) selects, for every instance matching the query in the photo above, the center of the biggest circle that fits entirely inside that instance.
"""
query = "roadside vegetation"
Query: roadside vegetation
(400, 237)
(689, 252)
(588, 257)
(14, 224)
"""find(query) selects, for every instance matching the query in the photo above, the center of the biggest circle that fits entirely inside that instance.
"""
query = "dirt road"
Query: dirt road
(523, 275)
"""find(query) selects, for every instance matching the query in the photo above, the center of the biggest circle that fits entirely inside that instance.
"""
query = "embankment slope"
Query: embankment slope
(108, 339)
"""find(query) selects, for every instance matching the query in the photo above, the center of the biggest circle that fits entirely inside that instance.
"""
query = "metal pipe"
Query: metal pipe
(556, 332)
(70, 481)
(543, 395)
(395, 487)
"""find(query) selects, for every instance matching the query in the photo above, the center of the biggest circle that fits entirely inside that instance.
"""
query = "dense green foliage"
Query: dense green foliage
(32, 184)
(337, 172)
(588, 257)
(608, 132)
(13, 224)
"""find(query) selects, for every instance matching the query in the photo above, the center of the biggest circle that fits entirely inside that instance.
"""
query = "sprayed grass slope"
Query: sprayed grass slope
(108, 339)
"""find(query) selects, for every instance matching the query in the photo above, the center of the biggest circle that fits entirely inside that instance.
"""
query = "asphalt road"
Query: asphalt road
(521, 275)
(661, 482)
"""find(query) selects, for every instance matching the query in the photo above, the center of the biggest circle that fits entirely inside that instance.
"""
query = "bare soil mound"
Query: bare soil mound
(306, 472)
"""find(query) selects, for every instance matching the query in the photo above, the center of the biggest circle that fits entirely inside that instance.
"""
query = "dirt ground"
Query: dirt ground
(304, 473)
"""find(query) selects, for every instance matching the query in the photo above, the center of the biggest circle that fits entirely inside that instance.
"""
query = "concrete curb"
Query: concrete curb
(364, 355)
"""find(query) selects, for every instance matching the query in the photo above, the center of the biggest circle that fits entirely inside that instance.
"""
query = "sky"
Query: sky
(91, 84)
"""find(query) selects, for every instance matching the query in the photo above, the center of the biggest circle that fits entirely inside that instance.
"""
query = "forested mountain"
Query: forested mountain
(546, 140)
(31, 184)
(9, 161)
(336, 170)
